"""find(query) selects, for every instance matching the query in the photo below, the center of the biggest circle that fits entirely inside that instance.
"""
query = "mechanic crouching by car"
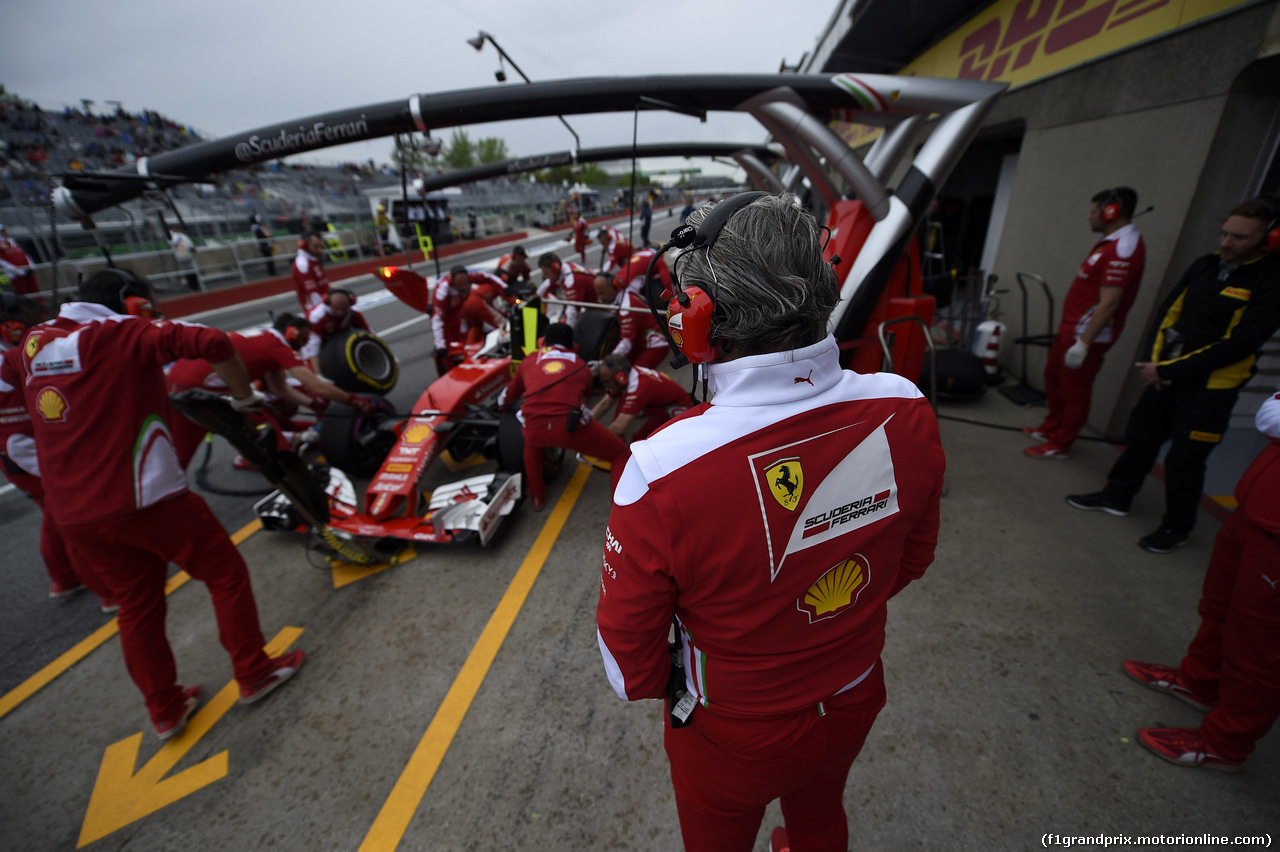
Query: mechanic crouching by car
(639, 340)
(564, 279)
(270, 356)
(638, 390)
(329, 318)
(93, 385)
(774, 523)
(554, 384)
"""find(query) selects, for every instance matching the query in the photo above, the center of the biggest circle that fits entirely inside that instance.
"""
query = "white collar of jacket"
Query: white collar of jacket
(83, 312)
(776, 377)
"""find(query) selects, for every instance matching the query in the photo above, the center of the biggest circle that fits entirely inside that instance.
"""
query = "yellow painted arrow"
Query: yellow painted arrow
(121, 796)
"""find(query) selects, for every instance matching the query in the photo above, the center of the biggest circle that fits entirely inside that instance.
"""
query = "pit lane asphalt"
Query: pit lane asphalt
(1007, 718)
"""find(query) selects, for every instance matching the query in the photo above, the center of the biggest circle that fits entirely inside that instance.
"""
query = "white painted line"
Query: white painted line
(402, 325)
(5, 489)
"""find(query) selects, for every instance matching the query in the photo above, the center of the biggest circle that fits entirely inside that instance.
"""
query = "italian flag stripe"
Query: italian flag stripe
(867, 96)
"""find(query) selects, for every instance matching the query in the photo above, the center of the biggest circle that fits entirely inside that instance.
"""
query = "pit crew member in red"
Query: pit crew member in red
(1232, 667)
(270, 356)
(448, 330)
(554, 384)
(631, 275)
(580, 237)
(639, 339)
(1092, 318)
(332, 316)
(308, 271)
(16, 266)
(513, 267)
(566, 280)
(95, 391)
(775, 523)
(638, 390)
(617, 248)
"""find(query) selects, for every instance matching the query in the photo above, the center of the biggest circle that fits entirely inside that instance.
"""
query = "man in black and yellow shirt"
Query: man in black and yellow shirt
(1202, 349)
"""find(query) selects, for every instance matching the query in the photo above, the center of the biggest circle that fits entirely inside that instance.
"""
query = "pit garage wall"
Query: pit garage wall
(1160, 117)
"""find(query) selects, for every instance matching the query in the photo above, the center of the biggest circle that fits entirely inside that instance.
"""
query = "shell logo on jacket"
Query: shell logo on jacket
(52, 405)
(836, 590)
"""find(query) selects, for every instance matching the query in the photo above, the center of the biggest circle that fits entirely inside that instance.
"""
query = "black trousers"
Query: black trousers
(1193, 420)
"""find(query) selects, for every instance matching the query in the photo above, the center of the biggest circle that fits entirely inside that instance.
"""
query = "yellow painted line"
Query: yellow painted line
(1227, 500)
(398, 810)
(344, 573)
(90, 643)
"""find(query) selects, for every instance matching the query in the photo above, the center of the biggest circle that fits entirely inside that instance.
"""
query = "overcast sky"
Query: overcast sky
(229, 66)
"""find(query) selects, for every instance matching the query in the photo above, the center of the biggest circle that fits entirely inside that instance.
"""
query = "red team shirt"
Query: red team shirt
(309, 280)
(617, 251)
(651, 389)
(263, 351)
(551, 383)
(631, 274)
(639, 332)
(1116, 261)
(791, 509)
(124, 421)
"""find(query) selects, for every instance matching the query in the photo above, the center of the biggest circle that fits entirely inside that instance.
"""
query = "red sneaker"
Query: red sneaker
(58, 590)
(1048, 450)
(109, 605)
(538, 503)
(167, 728)
(284, 667)
(779, 842)
(1185, 747)
(1166, 679)
(1034, 432)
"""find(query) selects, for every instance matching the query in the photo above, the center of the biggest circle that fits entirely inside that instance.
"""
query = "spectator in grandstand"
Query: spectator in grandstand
(638, 390)
(262, 234)
(554, 384)
(1231, 670)
(113, 484)
(309, 280)
(184, 254)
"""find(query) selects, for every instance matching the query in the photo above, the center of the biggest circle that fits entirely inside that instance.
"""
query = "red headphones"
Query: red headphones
(621, 370)
(1273, 227)
(138, 306)
(294, 334)
(691, 314)
(1111, 207)
(12, 331)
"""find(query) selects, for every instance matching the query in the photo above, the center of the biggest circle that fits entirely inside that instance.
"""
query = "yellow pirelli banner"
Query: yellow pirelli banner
(1020, 41)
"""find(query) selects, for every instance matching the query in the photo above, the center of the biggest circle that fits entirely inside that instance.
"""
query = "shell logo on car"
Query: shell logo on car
(417, 434)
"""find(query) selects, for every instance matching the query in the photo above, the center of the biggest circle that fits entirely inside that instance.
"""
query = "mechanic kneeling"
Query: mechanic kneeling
(554, 384)
(641, 391)
(93, 385)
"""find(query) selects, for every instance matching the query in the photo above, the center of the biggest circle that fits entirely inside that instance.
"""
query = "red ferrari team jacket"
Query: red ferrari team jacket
(263, 351)
(775, 523)
(94, 387)
(309, 280)
(1116, 261)
(637, 329)
(551, 383)
(646, 388)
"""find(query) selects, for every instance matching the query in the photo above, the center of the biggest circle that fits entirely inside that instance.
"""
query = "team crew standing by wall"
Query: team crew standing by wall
(1093, 316)
(1202, 348)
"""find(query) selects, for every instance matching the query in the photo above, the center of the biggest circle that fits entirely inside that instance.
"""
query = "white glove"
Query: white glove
(255, 399)
(1076, 354)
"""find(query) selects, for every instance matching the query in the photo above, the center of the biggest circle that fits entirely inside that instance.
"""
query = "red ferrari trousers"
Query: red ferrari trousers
(653, 358)
(131, 556)
(1068, 392)
(590, 439)
(726, 771)
(1235, 656)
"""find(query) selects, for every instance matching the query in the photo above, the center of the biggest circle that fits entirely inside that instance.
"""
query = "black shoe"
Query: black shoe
(1097, 502)
(1163, 540)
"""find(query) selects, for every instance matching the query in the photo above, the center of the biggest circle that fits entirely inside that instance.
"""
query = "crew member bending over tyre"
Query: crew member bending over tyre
(93, 385)
(639, 341)
(554, 384)
(641, 391)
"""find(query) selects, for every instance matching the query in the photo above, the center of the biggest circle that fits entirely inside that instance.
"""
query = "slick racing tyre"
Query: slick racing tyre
(596, 333)
(358, 361)
(511, 449)
(353, 442)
